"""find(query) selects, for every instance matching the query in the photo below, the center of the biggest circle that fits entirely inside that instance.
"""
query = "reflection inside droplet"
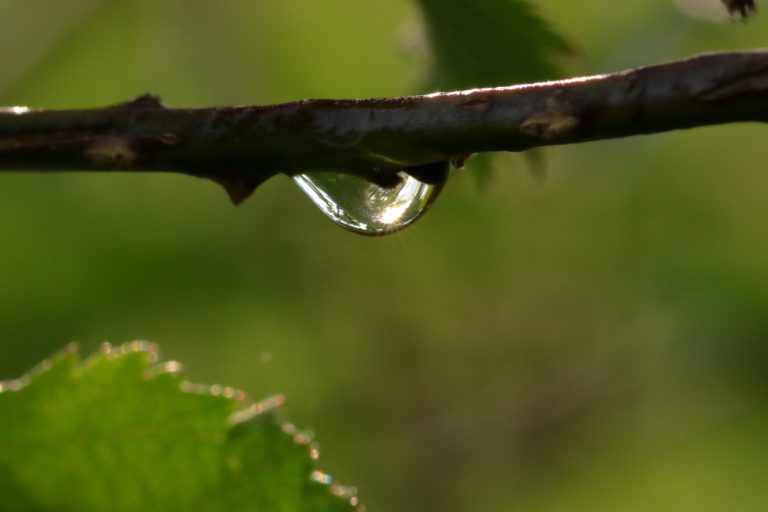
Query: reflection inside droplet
(359, 205)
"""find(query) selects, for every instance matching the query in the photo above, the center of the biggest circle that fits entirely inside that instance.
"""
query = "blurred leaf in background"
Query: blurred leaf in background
(593, 343)
(489, 43)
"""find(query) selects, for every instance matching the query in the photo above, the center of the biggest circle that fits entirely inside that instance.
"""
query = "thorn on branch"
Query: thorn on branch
(238, 186)
(144, 101)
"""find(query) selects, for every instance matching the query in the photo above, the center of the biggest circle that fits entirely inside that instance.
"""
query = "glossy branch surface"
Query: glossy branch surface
(242, 146)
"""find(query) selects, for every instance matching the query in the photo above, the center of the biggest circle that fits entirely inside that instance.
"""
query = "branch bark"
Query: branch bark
(242, 146)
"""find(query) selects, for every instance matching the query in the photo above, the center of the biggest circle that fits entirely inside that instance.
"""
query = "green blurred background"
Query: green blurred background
(597, 341)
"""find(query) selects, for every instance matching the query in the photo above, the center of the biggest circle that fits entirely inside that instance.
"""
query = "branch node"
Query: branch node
(112, 152)
(475, 104)
(238, 186)
(555, 122)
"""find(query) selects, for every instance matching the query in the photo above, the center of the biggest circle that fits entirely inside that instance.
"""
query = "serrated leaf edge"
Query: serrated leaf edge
(156, 367)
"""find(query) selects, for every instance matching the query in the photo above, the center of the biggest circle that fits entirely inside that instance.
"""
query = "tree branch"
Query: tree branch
(242, 146)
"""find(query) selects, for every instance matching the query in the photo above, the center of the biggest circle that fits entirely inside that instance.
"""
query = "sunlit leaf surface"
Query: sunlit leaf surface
(122, 431)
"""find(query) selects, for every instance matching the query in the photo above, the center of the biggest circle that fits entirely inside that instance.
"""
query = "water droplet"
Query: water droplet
(367, 208)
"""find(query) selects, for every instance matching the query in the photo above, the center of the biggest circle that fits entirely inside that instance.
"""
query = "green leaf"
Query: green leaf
(483, 43)
(121, 431)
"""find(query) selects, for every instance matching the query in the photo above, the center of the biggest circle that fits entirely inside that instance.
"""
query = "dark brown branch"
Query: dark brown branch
(242, 146)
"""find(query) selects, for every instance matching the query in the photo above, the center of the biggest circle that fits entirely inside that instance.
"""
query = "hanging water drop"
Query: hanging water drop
(367, 208)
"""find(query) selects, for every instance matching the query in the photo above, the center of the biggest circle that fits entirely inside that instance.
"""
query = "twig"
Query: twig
(242, 146)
